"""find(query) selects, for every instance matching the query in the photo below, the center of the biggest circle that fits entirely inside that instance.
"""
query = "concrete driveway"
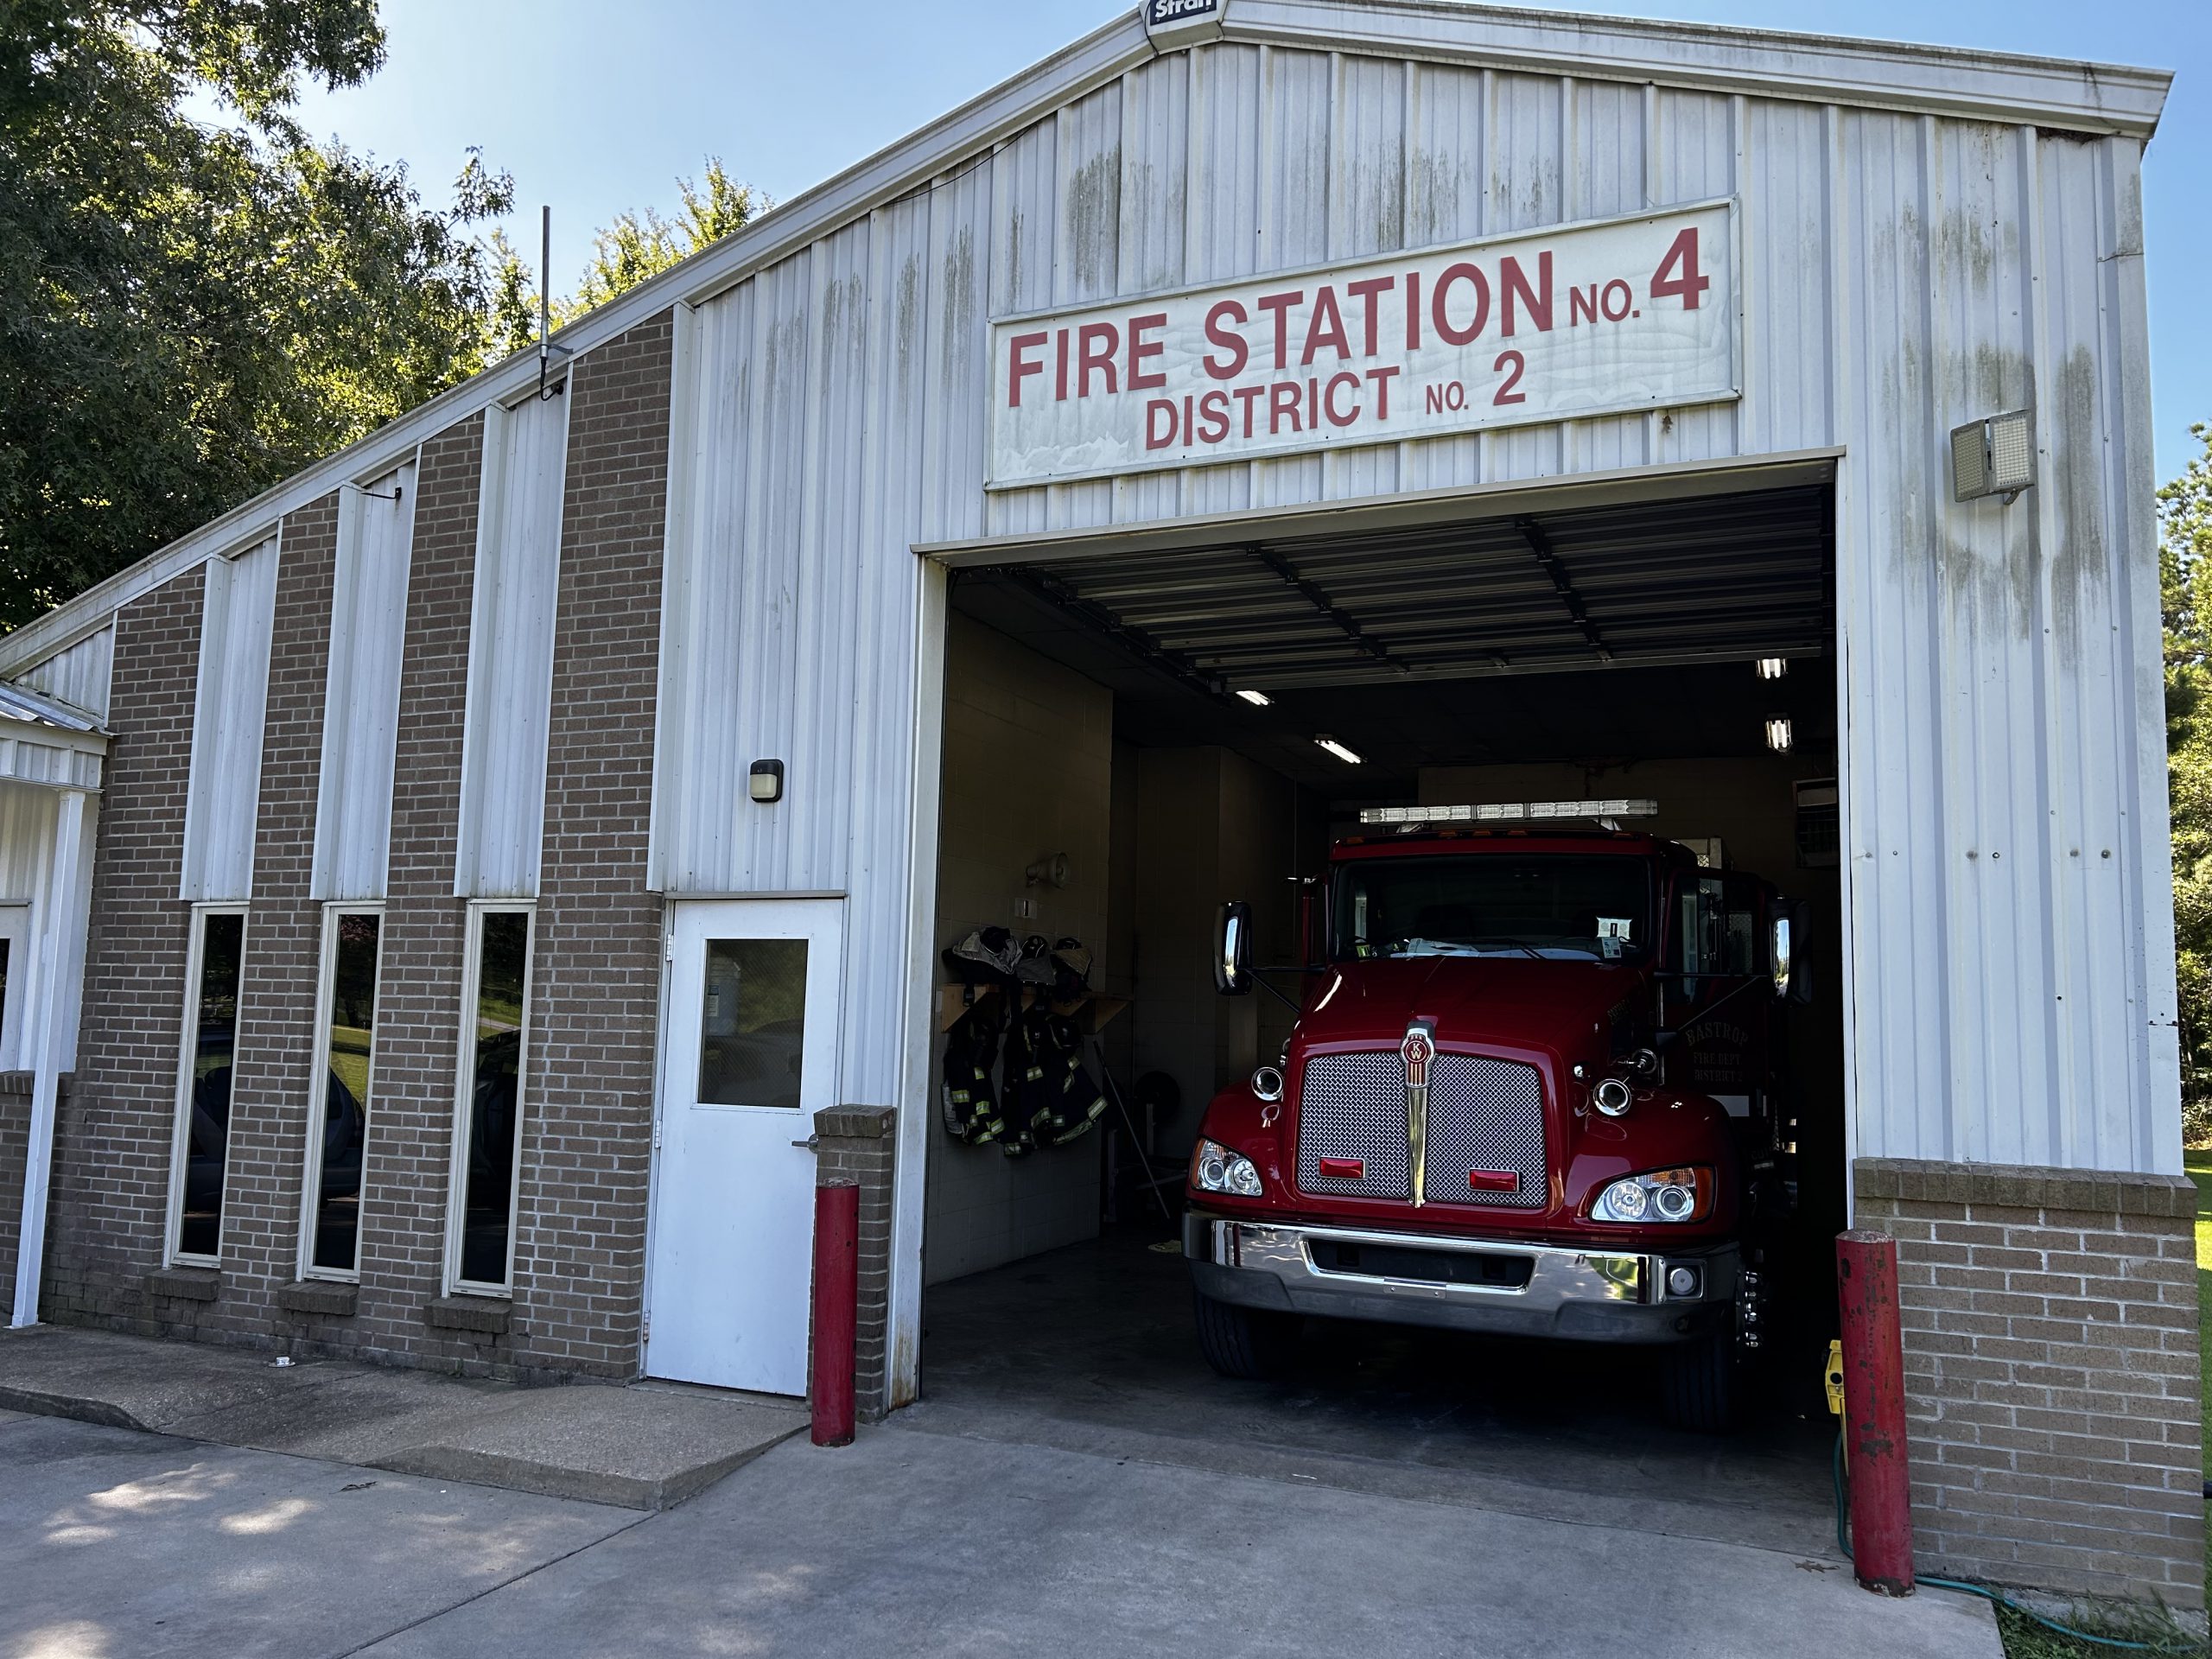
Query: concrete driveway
(114, 1543)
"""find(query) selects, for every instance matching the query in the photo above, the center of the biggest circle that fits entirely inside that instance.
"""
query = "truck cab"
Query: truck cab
(1532, 1089)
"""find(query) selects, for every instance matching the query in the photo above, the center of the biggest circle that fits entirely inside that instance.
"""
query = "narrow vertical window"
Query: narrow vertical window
(487, 1124)
(201, 1155)
(339, 1124)
(15, 958)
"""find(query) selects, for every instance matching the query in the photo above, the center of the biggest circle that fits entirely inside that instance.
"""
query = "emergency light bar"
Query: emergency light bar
(1511, 812)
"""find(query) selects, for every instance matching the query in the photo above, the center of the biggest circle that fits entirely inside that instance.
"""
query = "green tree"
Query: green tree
(191, 311)
(2185, 592)
(636, 247)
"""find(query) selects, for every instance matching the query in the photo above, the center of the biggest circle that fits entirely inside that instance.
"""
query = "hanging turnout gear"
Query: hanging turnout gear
(1025, 1080)
(1071, 970)
(1057, 1098)
(973, 1112)
(986, 956)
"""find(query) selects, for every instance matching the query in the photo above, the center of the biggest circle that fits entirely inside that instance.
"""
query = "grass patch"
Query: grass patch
(2025, 1639)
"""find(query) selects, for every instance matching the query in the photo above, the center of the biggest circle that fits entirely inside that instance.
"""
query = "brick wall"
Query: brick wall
(588, 1129)
(283, 944)
(859, 1144)
(409, 1150)
(110, 1193)
(2050, 1335)
(14, 1156)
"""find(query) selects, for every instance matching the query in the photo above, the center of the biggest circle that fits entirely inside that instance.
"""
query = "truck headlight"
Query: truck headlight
(1214, 1168)
(1664, 1195)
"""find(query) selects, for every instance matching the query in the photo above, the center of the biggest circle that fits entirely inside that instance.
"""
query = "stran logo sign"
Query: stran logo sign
(1162, 14)
(1600, 319)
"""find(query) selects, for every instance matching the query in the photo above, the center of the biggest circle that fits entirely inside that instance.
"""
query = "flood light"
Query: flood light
(1339, 750)
(1778, 736)
(1773, 668)
(1257, 699)
(1995, 456)
(766, 784)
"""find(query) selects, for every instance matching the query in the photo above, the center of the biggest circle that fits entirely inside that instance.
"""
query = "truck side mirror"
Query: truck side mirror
(1786, 952)
(1232, 960)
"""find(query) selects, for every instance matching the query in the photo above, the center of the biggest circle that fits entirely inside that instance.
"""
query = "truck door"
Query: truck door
(1717, 948)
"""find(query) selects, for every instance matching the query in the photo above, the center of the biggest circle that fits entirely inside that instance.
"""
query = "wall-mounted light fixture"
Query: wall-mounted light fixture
(1257, 699)
(1052, 872)
(767, 782)
(1339, 750)
(1993, 457)
(1778, 736)
(1773, 668)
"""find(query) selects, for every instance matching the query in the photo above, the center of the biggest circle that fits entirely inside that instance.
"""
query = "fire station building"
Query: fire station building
(457, 906)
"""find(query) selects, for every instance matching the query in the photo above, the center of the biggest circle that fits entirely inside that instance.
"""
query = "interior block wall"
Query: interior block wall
(1028, 772)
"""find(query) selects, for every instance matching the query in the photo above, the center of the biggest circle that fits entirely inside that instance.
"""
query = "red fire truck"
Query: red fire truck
(1533, 1088)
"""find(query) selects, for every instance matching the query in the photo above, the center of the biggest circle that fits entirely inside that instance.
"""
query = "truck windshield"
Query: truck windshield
(1556, 906)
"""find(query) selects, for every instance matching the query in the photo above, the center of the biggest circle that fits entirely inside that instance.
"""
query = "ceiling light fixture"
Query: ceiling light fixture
(1773, 668)
(1257, 699)
(1777, 733)
(1339, 750)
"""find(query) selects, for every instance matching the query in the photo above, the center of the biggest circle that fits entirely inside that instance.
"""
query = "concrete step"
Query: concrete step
(644, 1445)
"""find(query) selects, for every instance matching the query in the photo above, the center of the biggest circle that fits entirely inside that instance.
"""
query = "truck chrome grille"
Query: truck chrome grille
(1485, 1115)
(1354, 1106)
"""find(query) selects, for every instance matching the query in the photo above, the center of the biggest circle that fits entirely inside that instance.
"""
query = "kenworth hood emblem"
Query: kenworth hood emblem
(1417, 1049)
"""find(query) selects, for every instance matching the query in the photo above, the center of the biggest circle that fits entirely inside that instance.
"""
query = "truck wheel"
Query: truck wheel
(1698, 1383)
(1247, 1343)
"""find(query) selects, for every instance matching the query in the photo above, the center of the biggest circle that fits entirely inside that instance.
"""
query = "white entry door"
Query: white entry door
(751, 1055)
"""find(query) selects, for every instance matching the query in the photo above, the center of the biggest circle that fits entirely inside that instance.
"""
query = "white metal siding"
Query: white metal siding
(502, 827)
(28, 818)
(360, 718)
(1901, 273)
(79, 676)
(224, 797)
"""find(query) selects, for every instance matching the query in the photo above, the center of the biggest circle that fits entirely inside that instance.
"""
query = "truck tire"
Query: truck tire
(1247, 1343)
(1698, 1383)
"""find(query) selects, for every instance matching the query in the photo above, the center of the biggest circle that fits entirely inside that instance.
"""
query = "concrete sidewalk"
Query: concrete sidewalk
(116, 1544)
(644, 1446)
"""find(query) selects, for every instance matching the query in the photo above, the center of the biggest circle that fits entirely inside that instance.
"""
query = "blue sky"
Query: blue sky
(596, 108)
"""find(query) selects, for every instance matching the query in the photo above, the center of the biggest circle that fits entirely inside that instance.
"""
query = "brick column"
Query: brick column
(273, 1062)
(111, 1144)
(2050, 1335)
(858, 1143)
(418, 996)
(579, 1253)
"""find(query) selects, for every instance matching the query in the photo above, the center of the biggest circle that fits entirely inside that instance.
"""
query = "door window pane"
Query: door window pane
(495, 1120)
(207, 1132)
(348, 1065)
(752, 1029)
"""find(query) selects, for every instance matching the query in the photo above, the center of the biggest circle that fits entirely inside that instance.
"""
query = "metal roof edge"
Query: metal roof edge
(894, 171)
(23, 707)
(2014, 88)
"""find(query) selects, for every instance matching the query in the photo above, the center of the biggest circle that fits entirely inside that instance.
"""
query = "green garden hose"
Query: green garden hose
(1843, 1543)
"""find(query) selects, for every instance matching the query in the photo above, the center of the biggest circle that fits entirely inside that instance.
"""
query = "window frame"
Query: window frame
(195, 956)
(333, 911)
(465, 1095)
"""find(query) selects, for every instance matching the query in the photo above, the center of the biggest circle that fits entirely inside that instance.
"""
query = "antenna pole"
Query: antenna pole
(544, 293)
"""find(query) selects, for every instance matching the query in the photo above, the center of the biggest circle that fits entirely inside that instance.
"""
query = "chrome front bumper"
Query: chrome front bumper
(1580, 1294)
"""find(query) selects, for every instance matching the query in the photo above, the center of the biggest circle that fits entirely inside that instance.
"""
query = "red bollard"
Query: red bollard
(836, 1308)
(1873, 1412)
